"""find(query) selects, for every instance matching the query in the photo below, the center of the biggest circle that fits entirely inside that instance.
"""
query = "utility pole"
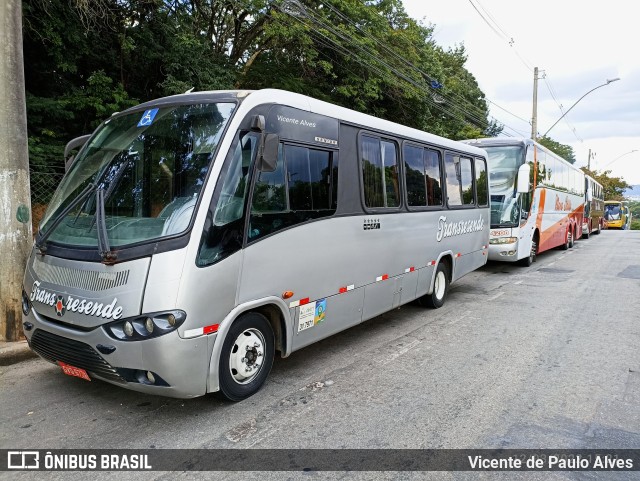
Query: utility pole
(589, 161)
(15, 203)
(534, 117)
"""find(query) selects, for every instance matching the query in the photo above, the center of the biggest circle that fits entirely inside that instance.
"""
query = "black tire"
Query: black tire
(527, 261)
(567, 240)
(439, 295)
(572, 239)
(250, 329)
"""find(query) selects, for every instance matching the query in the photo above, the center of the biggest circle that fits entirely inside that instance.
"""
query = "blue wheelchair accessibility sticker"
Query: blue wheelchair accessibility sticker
(147, 117)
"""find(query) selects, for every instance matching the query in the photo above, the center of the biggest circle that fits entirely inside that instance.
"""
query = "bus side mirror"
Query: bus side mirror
(268, 153)
(523, 179)
(78, 142)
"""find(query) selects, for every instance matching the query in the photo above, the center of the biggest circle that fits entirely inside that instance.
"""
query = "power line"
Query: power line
(319, 22)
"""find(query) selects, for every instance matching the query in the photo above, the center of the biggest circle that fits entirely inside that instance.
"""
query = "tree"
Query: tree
(563, 150)
(91, 58)
(613, 187)
(15, 225)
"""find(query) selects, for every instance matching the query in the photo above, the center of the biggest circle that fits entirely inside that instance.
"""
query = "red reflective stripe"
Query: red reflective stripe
(385, 277)
(210, 329)
(304, 301)
(411, 269)
(342, 290)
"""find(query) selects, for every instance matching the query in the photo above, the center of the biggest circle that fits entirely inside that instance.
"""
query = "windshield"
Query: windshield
(612, 211)
(145, 168)
(504, 162)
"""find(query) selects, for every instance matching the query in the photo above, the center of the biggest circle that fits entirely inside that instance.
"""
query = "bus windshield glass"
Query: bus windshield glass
(612, 211)
(504, 162)
(139, 177)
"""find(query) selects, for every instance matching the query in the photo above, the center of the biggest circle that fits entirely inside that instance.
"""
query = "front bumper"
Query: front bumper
(180, 366)
(503, 252)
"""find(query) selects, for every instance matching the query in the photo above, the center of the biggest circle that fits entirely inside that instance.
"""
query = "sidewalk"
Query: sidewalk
(14, 352)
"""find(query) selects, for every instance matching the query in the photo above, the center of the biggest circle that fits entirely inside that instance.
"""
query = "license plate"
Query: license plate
(74, 371)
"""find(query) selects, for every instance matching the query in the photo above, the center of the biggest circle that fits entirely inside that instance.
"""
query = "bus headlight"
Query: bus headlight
(503, 240)
(128, 328)
(26, 303)
(148, 324)
(145, 326)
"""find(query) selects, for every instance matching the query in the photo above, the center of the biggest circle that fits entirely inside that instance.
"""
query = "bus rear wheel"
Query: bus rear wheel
(440, 288)
(568, 242)
(246, 357)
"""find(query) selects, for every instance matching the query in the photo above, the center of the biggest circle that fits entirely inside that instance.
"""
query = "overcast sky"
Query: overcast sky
(577, 45)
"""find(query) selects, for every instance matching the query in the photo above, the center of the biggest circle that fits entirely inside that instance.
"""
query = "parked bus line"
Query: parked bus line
(537, 199)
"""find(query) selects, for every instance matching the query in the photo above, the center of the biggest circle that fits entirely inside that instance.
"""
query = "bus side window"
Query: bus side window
(481, 183)
(379, 172)
(224, 226)
(301, 188)
(422, 174)
(459, 180)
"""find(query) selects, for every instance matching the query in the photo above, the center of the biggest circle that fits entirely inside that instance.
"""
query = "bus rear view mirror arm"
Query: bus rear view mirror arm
(268, 153)
(523, 179)
(78, 142)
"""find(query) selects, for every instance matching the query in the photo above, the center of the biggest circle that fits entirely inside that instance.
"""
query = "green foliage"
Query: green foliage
(634, 208)
(613, 186)
(86, 60)
(563, 150)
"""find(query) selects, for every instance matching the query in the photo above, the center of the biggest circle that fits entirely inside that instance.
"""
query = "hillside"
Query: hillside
(633, 193)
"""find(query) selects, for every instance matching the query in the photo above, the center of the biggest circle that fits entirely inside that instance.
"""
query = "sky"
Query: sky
(577, 46)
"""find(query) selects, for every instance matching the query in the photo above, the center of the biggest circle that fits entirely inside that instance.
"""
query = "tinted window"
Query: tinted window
(380, 172)
(459, 180)
(414, 174)
(481, 182)
(224, 225)
(422, 171)
(302, 187)
(433, 178)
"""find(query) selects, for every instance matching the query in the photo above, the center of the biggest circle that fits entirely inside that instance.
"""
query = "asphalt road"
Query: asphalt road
(539, 357)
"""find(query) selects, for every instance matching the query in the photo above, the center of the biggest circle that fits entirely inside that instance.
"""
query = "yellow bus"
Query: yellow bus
(617, 215)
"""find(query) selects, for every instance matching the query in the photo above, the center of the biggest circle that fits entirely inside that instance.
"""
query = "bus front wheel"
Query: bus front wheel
(531, 258)
(246, 357)
(440, 288)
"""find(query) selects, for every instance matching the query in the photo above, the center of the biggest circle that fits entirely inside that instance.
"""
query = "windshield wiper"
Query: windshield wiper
(101, 228)
(104, 249)
(42, 238)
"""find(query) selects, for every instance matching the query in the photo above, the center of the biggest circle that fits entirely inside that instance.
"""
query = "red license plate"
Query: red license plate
(74, 371)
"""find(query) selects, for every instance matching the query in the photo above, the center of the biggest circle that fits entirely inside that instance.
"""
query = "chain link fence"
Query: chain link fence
(44, 181)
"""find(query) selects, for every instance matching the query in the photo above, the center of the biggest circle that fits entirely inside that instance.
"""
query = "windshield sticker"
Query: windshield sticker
(74, 304)
(307, 316)
(321, 308)
(147, 117)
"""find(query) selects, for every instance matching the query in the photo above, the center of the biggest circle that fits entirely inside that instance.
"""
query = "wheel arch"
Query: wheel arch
(447, 258)
(277, 314)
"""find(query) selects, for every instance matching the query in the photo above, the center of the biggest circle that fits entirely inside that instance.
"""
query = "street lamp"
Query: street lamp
(620, 156)
(576, 103)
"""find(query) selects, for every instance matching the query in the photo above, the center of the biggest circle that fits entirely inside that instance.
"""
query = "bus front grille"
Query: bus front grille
(78, 354)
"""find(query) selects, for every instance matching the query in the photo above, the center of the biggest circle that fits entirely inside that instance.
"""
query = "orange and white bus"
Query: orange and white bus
(537, 199)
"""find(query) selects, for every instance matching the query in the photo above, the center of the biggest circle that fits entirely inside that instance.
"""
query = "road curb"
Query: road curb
(15, 352)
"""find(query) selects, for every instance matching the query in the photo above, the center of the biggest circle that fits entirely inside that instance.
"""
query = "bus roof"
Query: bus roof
(253, 98)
